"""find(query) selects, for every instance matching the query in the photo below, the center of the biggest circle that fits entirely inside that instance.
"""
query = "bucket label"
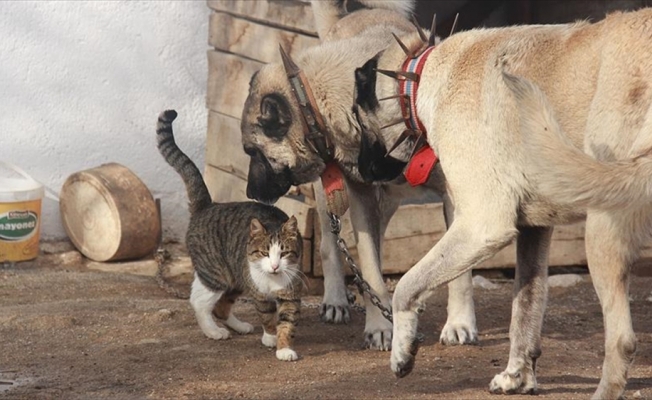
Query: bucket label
(17, 225)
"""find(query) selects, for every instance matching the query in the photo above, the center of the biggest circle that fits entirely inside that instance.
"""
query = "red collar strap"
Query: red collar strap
(423, 157)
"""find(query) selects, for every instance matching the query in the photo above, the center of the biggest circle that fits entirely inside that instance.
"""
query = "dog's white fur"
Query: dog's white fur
(348, 40)
(513, 167)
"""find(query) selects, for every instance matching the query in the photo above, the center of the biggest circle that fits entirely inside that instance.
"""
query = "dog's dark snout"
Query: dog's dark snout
(251, 151)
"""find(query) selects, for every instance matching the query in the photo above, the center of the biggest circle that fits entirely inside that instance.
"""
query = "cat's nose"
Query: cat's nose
(274, 268)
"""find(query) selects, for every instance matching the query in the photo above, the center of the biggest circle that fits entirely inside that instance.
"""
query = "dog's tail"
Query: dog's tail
(565, 173)
(328, 12)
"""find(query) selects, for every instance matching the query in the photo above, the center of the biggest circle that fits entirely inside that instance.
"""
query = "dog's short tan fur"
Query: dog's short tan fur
(348, 40)
(513, 166)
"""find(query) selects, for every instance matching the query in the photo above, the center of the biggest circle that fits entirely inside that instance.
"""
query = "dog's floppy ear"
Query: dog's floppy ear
(275, 115)
(365, 85)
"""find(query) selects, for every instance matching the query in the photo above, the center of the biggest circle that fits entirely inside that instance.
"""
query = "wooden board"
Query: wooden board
(253, 40)
(289, 15)
(228, 82)
(224, 145)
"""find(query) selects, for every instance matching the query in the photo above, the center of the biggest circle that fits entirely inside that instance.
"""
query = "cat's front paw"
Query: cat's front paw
(268, 340)
(217, 333)
(286, 354)
(242, 328)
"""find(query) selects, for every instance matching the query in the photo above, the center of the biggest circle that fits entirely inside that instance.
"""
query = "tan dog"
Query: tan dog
(517, 164)
(272, 134)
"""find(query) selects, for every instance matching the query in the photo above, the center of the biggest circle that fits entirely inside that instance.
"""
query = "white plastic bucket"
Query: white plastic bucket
(20, 219)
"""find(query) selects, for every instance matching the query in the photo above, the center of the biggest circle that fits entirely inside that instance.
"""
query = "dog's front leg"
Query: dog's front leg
(528, 306)
(460, 325)
(367, 220)
(335, 306)
(467, 243)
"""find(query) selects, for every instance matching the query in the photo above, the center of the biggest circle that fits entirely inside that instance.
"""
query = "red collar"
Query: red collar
(423, 158)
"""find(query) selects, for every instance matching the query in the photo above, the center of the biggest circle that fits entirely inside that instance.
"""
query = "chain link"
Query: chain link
(360, 283)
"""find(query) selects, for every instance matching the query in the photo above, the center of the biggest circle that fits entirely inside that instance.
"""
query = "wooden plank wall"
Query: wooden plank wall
(244, 35)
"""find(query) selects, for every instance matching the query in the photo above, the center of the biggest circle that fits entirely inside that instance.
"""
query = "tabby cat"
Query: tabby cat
(236, 248)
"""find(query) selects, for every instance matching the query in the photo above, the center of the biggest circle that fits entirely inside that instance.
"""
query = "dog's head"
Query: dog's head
(273, 136)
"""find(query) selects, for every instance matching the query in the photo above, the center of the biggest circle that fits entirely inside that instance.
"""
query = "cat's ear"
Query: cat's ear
(290, 226)
(256, 228)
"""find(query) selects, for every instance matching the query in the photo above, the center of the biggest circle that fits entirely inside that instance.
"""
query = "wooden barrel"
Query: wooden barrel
(109, 214)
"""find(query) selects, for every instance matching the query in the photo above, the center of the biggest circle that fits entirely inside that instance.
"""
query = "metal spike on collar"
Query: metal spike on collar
(407, 51)
(433, 33)
(422, 34)
(454, 24)
(400, 75)
(402, 138)
(396, 96)
(421, 140)
(291, 69)
(398, 121)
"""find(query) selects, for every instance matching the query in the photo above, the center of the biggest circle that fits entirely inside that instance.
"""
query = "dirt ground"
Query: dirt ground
(71, 333)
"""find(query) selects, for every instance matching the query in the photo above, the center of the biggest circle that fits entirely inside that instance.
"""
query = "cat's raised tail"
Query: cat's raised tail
(197, 191)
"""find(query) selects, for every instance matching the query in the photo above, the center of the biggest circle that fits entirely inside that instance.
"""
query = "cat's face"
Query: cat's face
(274, 257)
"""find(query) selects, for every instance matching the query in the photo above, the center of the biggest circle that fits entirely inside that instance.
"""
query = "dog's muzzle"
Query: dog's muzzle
(263, 183)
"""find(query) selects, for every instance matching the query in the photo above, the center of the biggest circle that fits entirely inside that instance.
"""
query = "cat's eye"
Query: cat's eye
(287, 253)
(259, 253)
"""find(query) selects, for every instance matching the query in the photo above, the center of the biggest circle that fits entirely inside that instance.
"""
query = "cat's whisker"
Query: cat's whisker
(290, 282)
(302, 277)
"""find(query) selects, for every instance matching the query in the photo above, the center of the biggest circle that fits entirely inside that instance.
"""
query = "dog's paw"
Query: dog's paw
(286, 354)
(268, 340)
(402, 362)
(458, 333)
(378, 340)
(377, 331)
(217, 333)
(335, 313)
(512, 383)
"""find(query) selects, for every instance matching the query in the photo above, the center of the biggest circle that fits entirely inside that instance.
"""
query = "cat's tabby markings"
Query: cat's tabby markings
(237, 248)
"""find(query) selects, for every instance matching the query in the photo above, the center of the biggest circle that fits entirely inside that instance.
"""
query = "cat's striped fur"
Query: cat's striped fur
(236, 248)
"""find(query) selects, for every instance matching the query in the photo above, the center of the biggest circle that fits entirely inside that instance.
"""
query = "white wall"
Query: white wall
(82, 82)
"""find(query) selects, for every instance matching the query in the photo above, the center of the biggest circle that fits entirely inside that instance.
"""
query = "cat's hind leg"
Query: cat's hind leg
(223, 311)
(203, 300)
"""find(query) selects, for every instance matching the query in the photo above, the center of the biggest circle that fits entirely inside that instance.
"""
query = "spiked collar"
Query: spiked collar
(317, 137)
(314, 128)
(423, 158)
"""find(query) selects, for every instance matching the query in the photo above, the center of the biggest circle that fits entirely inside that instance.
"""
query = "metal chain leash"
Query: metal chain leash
(362, 285)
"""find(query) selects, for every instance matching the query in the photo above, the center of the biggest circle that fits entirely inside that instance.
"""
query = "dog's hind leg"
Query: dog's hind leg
(528, 306)
(334, 307)
(612, 243)
(460, 327)
(469, 241)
